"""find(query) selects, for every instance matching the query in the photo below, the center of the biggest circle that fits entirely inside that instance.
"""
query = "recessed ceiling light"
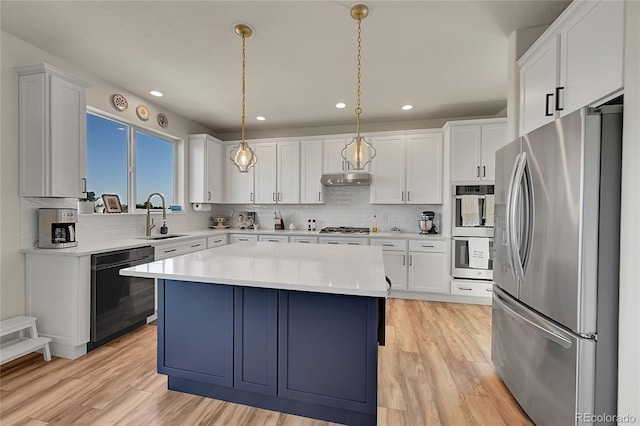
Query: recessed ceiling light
(407, 107)
(340, 105)
(260, 118)
(156, 93)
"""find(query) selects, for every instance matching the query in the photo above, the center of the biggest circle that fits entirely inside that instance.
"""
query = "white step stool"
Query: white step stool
(22, 345)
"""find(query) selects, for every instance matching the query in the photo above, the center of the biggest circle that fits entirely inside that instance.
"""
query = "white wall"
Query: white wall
(15, 53)
(629, 334)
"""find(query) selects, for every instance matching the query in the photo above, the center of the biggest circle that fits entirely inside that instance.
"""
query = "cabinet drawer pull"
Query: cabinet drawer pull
(243, 239)
(465, 288)
(558, 107)
(387, 245)
(353, 244)
(332, 242)
(274, 241)
(195, 245)
(303, 242)
(425, 245)
(170, 251)
(217, 241)
(546, 107)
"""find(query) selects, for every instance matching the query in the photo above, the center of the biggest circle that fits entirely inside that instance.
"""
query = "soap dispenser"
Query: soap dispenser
(164, 229)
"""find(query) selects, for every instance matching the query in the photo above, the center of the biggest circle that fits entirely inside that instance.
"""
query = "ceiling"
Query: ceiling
(446, 58)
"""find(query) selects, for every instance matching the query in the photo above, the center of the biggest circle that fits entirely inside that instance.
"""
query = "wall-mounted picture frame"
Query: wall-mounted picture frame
(112, 203)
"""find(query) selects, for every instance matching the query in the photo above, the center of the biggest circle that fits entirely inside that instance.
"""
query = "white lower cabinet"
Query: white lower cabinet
(394, 256)
(472, 288)
(428, 267)
(237, 238)
(344, 241)
(305, 240)
(274, 238)
(218, 240)
(176, 248)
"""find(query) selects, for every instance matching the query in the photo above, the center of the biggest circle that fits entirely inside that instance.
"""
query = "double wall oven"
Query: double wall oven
(472, 232)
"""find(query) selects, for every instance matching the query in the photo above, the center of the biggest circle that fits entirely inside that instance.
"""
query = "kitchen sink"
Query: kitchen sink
(162, 237)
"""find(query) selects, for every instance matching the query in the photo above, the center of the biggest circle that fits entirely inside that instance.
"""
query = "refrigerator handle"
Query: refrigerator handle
(529, 203)
(515, 244)
(565, 343)
(508, 217)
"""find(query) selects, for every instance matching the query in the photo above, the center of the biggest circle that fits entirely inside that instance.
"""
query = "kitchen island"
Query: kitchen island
(287, 327)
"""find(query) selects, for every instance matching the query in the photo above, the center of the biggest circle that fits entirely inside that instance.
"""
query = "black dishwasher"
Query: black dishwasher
(119, 304)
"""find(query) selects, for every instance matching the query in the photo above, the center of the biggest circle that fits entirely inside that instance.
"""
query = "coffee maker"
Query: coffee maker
(57, 228)
(425, 223)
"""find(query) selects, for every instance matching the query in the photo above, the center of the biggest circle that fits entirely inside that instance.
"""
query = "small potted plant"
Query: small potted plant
(86, 205)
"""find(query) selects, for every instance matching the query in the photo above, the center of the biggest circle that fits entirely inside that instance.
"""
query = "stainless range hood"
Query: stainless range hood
(346, 179)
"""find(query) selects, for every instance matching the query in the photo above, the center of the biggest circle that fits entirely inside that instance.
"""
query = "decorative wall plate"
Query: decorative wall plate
(143, 112)
(119, 102)
(163, 121)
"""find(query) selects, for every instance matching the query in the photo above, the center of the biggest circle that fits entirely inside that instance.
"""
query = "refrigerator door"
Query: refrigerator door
(549, 370)
(552, 277)
(504, 273)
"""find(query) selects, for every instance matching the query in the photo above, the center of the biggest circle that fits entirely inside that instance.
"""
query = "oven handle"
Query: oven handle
(124, 263)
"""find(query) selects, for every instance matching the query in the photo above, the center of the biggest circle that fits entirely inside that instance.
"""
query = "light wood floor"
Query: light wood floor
(434, 370)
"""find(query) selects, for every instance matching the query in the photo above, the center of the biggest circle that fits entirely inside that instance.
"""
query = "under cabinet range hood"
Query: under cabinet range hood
(346, 179)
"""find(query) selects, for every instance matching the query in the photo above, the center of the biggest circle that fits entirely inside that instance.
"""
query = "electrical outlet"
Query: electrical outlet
(385, 216)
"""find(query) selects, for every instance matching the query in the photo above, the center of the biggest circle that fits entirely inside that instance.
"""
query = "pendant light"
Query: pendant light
(358, 153)
(243, 156)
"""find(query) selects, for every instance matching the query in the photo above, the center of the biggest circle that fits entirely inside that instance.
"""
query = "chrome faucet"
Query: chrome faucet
(150, 224)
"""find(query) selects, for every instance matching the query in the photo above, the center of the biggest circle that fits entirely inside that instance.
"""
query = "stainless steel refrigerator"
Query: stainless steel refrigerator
(555, 299)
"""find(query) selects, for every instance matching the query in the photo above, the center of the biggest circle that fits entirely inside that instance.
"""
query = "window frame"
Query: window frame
(132, 129)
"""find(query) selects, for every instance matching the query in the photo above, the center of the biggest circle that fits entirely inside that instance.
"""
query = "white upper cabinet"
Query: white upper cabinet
(205, 169)
(407, 169)
(576, 62)
(238, 187)
(311, 190)
(53, 132)
(277, 173)
(473, 148)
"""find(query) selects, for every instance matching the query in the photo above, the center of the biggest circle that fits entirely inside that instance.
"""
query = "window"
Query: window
(131, 162)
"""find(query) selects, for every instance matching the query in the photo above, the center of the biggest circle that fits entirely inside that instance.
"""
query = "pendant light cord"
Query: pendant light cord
(358, 109)
(243, 88)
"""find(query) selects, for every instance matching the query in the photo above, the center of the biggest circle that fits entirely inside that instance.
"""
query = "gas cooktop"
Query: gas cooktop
(343, 230)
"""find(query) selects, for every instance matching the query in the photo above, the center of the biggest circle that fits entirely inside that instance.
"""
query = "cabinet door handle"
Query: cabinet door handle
(478, 171)
(410, 260)
(209, 192)
(251, 196)
(84, 184)
(484, 171)
(558, 107)
(343, 165)
(279, 196)
(408, 195)
(546, 107)
(170, 251)
(274, 196)
(402, 195)
(319, 195)
(404, 259)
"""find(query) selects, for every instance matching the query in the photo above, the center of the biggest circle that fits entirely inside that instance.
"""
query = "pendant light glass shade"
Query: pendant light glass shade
(358, 153)
(243, 156)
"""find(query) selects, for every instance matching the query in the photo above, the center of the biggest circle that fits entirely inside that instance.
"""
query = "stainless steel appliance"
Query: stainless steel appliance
(119, 304)
(57, 228)
(555, 299)
(463, 267)
(343, 179)
(343, 230)
(471, 201)
(425, 223)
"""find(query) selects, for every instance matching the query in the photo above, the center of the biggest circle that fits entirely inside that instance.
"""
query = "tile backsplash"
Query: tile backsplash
(344, 206)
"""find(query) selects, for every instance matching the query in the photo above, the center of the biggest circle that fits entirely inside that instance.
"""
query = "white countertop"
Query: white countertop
(85, 248)
(348, 270)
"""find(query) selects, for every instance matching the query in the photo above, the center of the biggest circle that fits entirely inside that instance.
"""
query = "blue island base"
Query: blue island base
(303, 353)
(330, 414)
